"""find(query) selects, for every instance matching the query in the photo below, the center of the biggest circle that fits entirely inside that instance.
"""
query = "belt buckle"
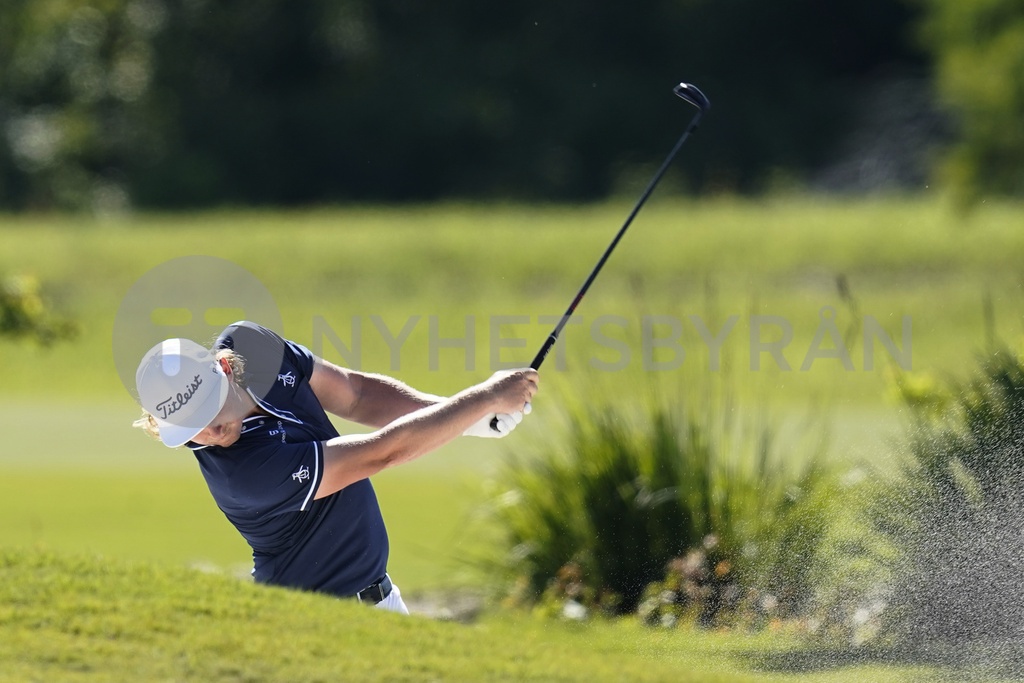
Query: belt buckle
(373, 593)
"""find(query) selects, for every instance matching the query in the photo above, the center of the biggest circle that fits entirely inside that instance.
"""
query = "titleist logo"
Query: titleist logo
(176, 403)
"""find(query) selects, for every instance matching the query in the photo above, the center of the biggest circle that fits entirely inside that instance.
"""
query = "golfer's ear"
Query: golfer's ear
(225, 366)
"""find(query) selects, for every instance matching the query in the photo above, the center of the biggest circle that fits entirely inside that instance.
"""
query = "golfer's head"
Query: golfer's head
(183, 387)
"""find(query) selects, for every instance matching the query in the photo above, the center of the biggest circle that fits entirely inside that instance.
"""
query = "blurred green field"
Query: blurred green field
(75, 475)
(713, 259)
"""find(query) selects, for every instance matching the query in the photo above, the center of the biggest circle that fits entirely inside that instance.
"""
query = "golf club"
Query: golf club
(694, 96)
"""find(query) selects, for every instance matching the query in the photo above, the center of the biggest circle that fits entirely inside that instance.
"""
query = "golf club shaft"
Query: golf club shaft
(553, 337)
(695, 97)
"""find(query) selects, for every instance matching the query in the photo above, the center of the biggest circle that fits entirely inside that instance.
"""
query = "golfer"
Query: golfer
(253, 410)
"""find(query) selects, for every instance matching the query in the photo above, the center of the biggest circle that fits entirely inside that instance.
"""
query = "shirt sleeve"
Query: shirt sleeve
(300, 357)
(280, 478)
(267, 356)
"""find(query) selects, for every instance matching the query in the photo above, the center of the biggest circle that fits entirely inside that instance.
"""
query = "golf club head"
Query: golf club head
(693, 95)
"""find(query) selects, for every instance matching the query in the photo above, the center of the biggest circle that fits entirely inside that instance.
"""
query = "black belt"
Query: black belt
(376, 592)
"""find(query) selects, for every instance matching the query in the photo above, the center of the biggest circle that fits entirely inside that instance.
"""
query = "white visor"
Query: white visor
(182, 385)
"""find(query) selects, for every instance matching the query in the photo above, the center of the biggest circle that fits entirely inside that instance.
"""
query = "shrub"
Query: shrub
(24, 313)
(633, 504)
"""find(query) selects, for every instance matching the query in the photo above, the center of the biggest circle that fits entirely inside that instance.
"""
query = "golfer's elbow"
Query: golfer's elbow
(389, 449)
(397, 451)
(346, 462)
(381, 459)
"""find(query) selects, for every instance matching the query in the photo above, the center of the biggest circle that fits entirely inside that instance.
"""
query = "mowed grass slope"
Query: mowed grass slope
(79, 618)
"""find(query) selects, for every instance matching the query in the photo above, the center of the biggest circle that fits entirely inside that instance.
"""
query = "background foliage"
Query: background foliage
(186, 103)
(25, 313)
(978, 48)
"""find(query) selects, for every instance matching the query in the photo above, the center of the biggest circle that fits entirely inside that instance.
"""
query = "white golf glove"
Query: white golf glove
(506, 423)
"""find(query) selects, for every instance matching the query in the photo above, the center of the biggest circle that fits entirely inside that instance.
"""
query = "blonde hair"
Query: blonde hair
(147, 422)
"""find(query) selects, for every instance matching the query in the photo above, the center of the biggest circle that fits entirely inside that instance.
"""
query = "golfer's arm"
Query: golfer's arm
(369, 399)
(351, 458)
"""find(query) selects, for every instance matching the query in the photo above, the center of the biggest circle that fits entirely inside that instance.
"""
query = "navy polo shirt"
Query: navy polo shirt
(265, 482)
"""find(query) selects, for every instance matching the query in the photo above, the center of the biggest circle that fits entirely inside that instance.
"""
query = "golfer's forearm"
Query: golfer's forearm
(429, 428)
(351, 458)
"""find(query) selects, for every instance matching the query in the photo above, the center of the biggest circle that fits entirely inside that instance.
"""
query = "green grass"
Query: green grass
(81, 618)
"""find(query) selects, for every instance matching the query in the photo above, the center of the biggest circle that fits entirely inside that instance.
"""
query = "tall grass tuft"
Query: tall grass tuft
(956, 515)
(674, 507)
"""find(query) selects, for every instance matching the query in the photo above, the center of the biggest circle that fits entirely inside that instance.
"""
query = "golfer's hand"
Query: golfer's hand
(511, 392)
(504, 422)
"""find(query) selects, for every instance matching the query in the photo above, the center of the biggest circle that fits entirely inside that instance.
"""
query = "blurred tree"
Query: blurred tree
(194, 102)
(979, 53)
(74, 79)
